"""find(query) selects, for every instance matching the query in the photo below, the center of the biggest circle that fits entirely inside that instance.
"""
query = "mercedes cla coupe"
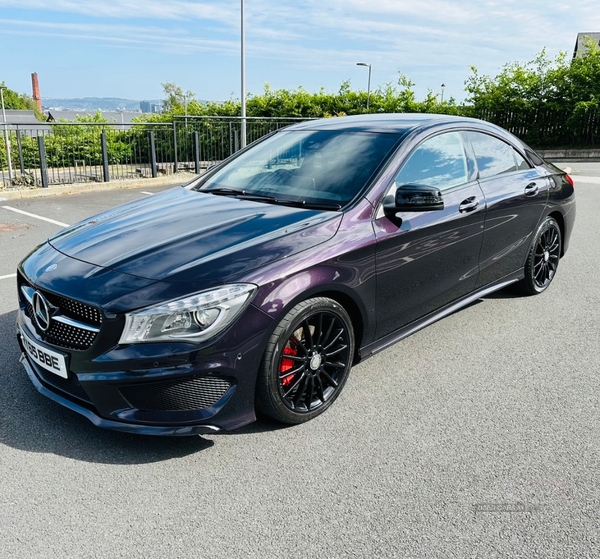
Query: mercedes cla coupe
(260, 283)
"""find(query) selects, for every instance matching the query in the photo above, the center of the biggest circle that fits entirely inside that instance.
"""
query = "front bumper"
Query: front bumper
(144, 389)
(107, 423)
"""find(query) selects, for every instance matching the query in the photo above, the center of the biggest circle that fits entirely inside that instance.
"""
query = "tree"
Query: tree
(23, 102)
(176, 101)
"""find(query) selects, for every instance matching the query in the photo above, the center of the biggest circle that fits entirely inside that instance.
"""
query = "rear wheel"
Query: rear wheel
(543, 258)
(306, 362)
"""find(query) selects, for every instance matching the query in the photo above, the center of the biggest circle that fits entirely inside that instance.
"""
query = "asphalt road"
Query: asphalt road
(476, 437)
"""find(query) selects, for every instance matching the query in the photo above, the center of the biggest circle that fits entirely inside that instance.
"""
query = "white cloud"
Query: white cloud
(430, 41)
(222, 12)
(152, 37)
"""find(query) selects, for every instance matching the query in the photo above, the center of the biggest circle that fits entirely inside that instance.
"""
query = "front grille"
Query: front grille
(68, 336)
(70, 386)
(60, 334)
(182, 394)
(77, 310)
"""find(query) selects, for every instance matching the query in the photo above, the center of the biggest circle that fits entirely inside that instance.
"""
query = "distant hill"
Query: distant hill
(93, 104)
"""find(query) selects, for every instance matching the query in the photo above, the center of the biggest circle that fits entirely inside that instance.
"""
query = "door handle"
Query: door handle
(531, 189)
(468, 205)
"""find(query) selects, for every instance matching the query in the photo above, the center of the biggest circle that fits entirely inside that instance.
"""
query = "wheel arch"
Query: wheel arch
(354, 313)
(558, 217)
(290, 293)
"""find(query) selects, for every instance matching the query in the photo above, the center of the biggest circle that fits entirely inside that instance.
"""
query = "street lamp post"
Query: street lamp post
(6, 140)
(243, 68)
(443, 86)
(185, 103)
(368, 83)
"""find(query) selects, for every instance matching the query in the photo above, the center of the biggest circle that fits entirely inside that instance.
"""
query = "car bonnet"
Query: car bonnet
(183, 235)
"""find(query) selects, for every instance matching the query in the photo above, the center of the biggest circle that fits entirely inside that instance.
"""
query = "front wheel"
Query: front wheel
(543, 258)
(306, 362)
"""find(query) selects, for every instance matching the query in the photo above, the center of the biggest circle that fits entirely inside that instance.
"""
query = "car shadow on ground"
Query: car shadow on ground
(33, 423)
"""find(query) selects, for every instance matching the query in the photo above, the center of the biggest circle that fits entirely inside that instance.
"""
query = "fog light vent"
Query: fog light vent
(182, 394)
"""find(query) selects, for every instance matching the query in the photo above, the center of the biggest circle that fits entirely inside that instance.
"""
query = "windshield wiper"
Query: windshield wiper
(258, 197)
(310, 205)
(223, 191)
(242, 194)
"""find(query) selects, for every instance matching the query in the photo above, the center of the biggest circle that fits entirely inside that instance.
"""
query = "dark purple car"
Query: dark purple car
(260, 283)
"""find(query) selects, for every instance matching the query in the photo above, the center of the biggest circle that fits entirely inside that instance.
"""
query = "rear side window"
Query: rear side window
(439, 161)
(494, 157)
(521, 162)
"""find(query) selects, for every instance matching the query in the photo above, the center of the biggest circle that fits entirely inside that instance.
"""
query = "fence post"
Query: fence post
(196, 152)
(21, 163)
(104, 157)
(152, 154)
(175, 162)
(43, 163)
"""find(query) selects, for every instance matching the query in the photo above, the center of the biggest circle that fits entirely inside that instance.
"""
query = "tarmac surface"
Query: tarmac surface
(475, 437)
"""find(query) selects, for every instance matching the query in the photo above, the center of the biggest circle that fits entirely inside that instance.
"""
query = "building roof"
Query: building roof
(580, 44)
(14, 116)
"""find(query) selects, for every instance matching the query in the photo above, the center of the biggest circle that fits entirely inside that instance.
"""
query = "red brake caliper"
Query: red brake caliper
(287, 365)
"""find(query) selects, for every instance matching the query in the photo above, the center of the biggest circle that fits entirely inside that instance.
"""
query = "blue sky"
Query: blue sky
(127, 48)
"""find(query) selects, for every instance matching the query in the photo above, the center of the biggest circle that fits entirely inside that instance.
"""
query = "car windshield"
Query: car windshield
(307, 167)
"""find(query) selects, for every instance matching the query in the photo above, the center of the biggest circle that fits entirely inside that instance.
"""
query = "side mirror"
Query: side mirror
(414, 198)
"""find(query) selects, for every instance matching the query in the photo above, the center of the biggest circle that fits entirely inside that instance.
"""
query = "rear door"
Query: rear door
(515, 195)
(428, 259)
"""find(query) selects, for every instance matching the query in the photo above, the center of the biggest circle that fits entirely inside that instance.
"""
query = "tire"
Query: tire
(306, 362)
(544, 256)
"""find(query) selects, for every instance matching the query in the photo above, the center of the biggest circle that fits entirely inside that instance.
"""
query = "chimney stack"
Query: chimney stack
(36, 91)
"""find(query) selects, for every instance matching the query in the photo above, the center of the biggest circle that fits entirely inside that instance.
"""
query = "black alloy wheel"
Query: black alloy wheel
(543, 259)
(306, 362)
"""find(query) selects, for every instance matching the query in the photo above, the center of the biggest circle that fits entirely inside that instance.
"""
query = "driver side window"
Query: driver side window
(439, 161)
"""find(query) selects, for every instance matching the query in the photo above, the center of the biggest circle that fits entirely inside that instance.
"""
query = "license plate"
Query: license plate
(46, 358)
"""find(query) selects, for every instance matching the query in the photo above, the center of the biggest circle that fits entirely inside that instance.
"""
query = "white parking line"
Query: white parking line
(36, 216)
(8, 276)
(584, 178)
(148, 193)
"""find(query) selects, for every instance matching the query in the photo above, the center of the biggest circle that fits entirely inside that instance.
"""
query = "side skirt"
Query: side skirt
(381, 344)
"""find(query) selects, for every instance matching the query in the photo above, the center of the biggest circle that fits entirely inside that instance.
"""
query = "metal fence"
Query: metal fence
(547, 127)
(61, 153)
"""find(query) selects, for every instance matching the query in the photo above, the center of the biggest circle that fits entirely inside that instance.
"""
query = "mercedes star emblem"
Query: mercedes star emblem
(41, 311)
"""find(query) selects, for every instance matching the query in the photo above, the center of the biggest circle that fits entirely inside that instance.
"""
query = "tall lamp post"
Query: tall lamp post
(443, 86)
(185, 104)
(368, 83)
(243, 56)
(6, 140)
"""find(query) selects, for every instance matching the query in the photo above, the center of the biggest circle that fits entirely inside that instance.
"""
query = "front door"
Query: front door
(426, 260)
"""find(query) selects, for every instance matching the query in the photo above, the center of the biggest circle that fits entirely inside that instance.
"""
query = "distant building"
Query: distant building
(147, 107)
(24, 120)
(580, 47)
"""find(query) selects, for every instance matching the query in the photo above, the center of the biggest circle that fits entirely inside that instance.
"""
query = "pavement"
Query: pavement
(77, 188)
(475, 437)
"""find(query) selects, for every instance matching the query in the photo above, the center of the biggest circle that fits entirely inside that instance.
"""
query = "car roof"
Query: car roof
(383, 123)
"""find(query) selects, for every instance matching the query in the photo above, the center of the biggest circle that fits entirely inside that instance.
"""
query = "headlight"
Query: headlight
(193, 318)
